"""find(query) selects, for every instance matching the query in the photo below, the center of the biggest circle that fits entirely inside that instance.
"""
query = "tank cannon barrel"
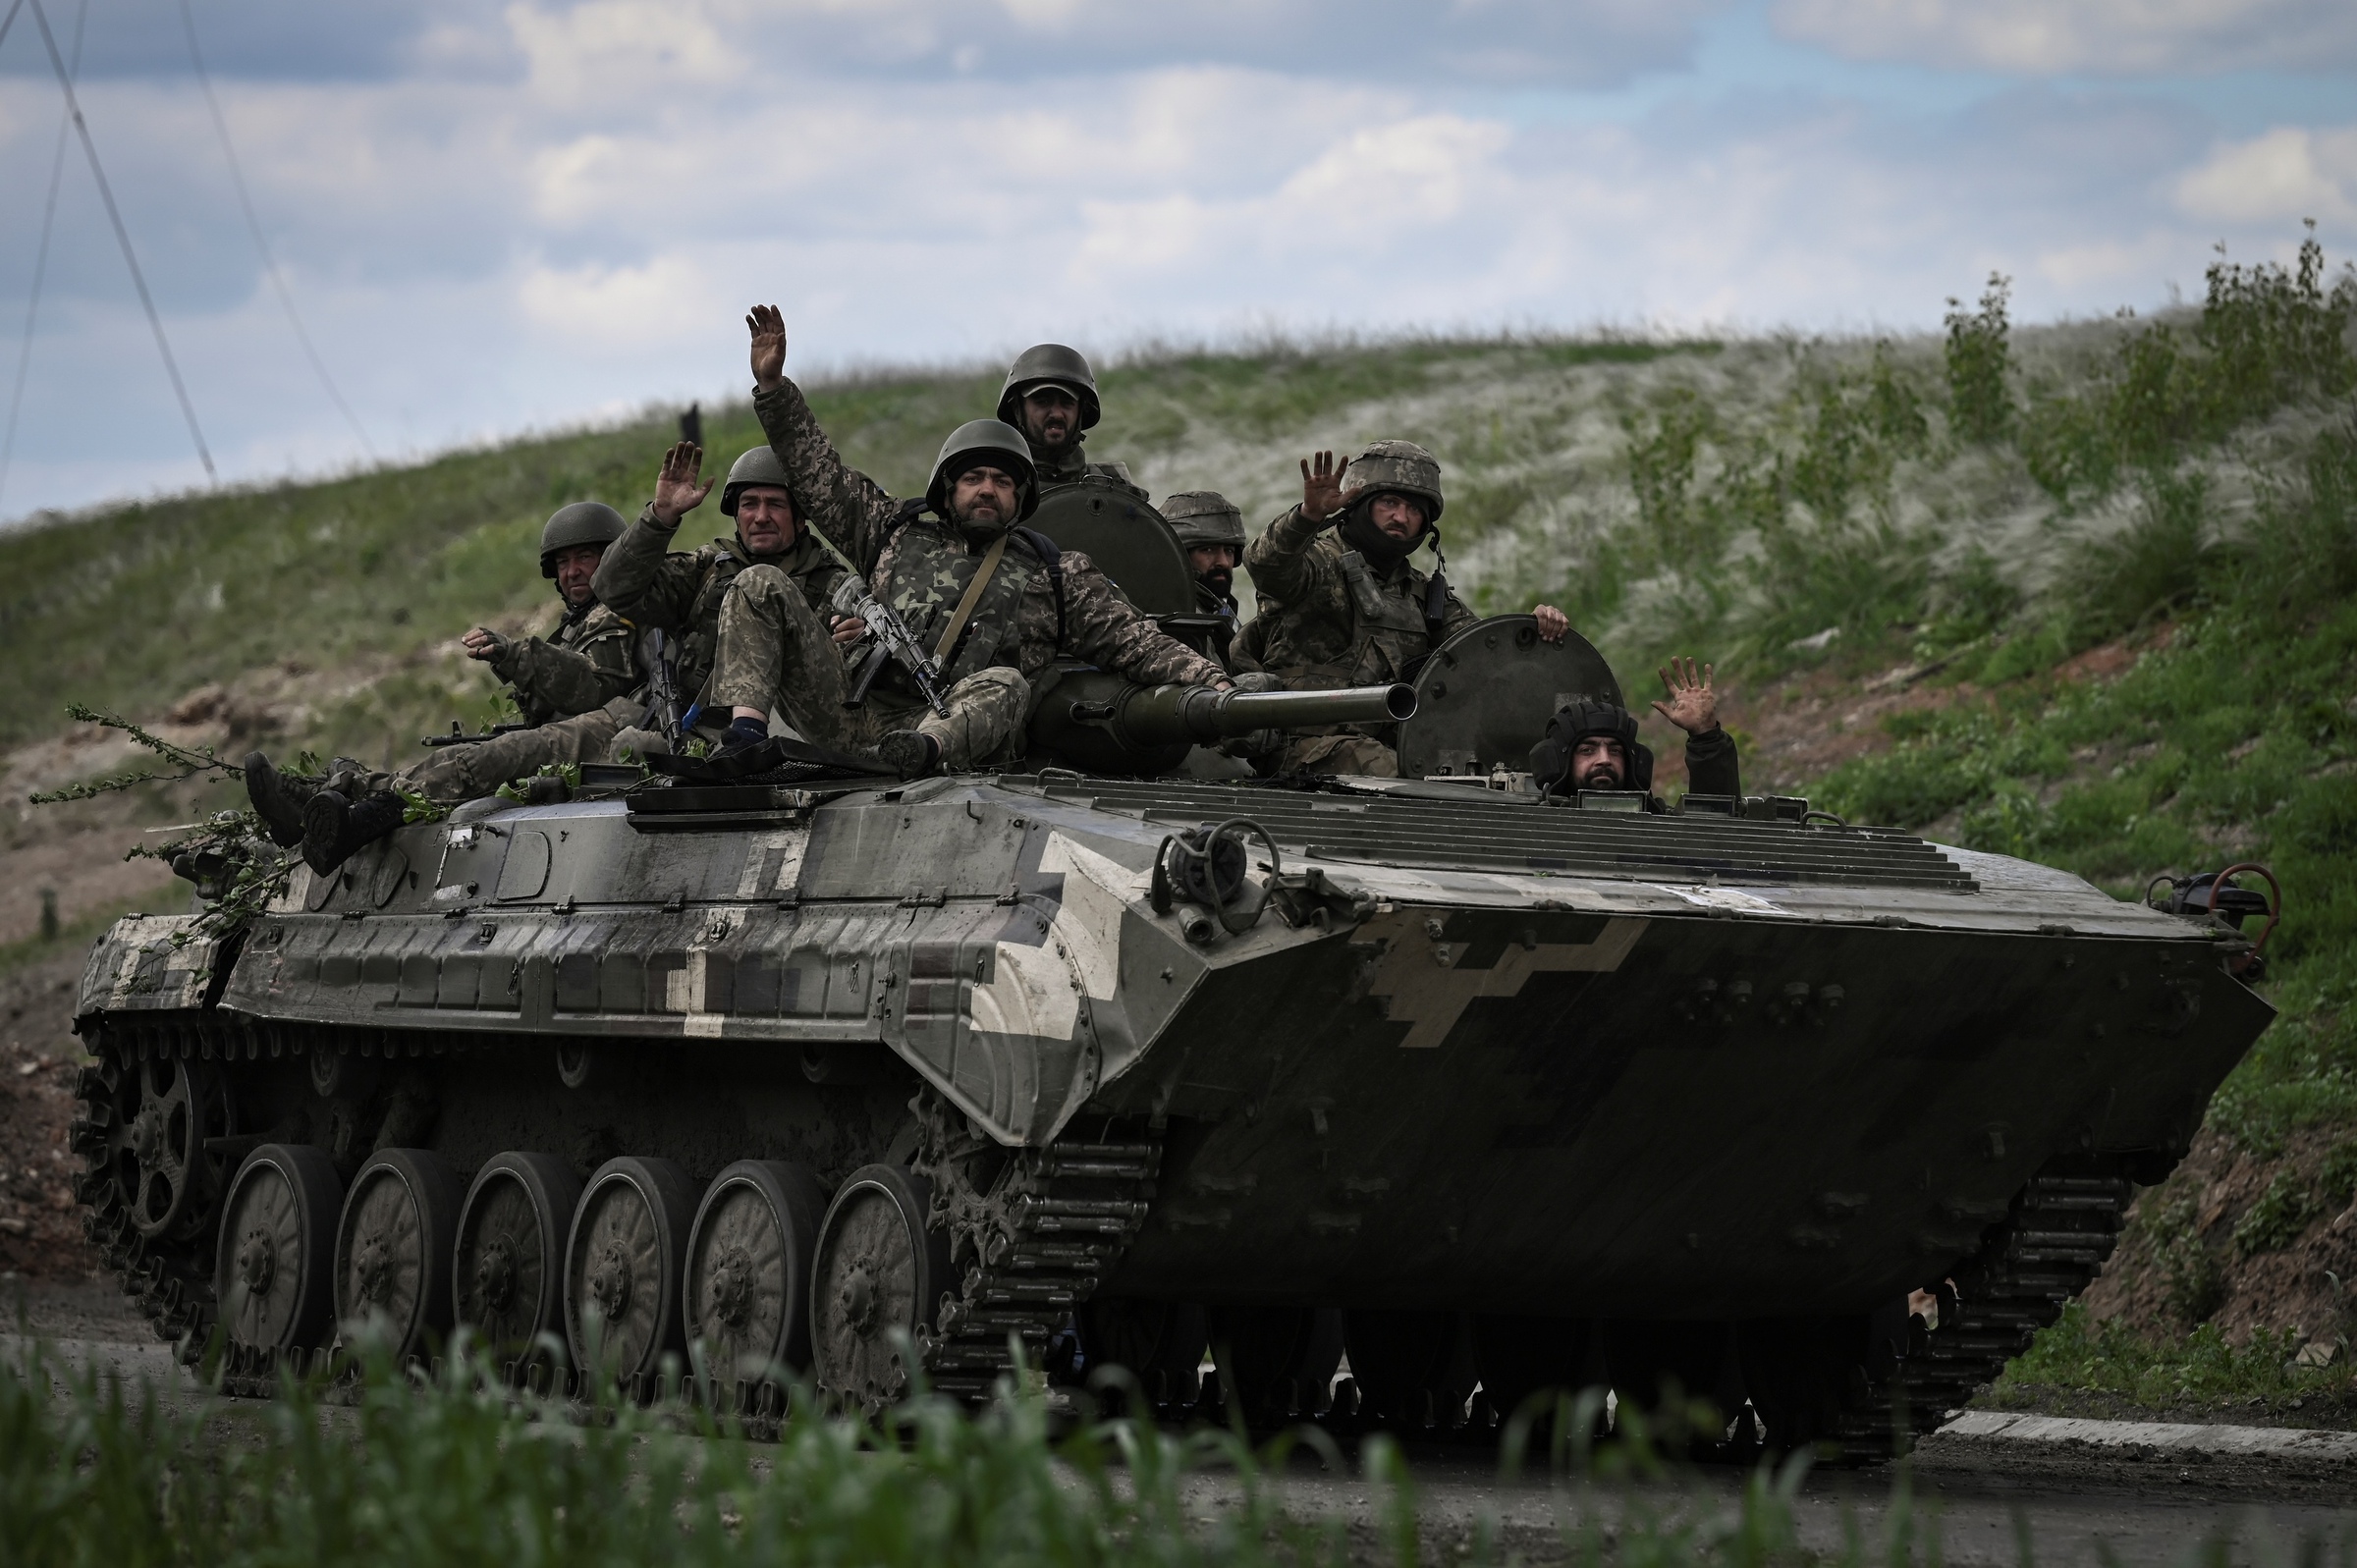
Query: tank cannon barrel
(1159, 716)
(1101, 722)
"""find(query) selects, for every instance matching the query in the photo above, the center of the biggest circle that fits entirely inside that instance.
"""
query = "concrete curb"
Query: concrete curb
(2332, 1447)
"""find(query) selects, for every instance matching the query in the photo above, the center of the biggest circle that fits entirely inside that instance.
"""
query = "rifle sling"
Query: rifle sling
(966, 605)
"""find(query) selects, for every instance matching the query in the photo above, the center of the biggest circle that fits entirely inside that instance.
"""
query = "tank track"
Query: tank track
(1032, 1233)
(2061, 1229)
(169, 1277)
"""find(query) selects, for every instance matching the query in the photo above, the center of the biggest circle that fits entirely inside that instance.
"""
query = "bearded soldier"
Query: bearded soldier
(1593, 745)
(1341, 605)
(1211, 531)
(575, 690)
(680, 592)
(992, 602)
(1051, 397)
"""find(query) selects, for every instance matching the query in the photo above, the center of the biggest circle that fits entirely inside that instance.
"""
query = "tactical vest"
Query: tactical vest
(931, 564)
(1387, 636)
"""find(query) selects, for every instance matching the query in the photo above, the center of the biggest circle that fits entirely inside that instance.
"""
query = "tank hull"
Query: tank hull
(1489, 1058)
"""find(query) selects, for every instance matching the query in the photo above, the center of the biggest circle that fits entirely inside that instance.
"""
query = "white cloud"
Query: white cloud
(2099, 37)
(479, 254)
(2288, 174)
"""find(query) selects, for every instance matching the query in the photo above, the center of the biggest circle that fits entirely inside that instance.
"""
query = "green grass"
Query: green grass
(396, 1471)
(2201, 1370)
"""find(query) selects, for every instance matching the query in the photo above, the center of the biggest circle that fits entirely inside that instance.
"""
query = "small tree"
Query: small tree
(1980, 360)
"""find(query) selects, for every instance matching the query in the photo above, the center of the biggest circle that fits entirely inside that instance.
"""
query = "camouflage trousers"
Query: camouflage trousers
(776, 655)
(1336, 754)
(457, 774)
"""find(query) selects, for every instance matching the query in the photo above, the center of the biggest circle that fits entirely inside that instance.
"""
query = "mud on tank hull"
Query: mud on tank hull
(1563, 1094)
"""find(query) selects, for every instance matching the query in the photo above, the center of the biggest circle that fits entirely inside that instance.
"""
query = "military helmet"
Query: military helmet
(583, 522)
(1576, 721)
(1204, 517)
(758, 466)
(1401, 467)
(1045, 362)
(978, 439)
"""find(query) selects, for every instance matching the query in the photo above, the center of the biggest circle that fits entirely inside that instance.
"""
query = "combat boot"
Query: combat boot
(278, 799)
(334, 828)
(910, 753)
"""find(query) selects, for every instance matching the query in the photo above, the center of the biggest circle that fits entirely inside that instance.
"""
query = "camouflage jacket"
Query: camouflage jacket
(1074, 466)
(1334, 619)
(920, 564)
(1210, 601)
(586, 663)
(679, 592)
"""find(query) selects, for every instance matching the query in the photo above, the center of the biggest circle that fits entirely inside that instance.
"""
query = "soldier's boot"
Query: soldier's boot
(278, 799)
(910, 753)
(334, 828)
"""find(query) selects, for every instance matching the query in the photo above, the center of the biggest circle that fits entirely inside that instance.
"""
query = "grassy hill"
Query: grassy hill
(2077, 592)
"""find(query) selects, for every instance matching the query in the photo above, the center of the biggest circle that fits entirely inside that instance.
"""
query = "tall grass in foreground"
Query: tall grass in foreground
(459, 1471)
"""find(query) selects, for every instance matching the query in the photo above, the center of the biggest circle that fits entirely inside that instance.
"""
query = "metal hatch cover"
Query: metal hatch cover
(1125, 537)
(1485, 695)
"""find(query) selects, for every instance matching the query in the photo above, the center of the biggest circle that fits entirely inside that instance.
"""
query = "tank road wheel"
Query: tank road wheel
(878, 1272)
(1275, 1362)
(1646, 1358)
(508, 1266)
(1160, 1342)
(622, 1264)
(1401, 1360)
(1806, 1375)
(164, 1110)
(1522, 1356)
(748, 1270)
(278, 1244)
(393, 1248)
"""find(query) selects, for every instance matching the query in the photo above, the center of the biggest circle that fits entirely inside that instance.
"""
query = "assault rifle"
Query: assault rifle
(894, 639)
(662, 691)
(457, 736)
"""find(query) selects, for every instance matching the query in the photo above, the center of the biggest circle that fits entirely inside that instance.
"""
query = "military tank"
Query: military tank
(1479, 1085)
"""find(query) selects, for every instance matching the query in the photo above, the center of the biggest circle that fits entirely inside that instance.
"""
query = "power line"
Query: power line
(9, 19)
(237, 178)
(114, 216)
(40, 258)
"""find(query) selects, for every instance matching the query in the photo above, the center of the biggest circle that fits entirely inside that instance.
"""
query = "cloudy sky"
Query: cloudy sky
(495, 218)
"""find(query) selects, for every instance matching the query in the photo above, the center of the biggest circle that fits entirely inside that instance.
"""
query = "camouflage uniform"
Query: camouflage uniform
(1072, 467)
(577, 689)
(920, 565)
(682, 593)
(1329, 618)
(584, 664)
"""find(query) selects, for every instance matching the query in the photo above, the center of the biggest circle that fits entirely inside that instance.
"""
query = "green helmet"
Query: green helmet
(1204, 517)
(759, 467)
(1401, 467)
(1043, 364)
(969, 446)
(584, 522)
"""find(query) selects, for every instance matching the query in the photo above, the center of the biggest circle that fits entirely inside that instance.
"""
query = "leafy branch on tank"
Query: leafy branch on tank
(235, 867)
(192, 761)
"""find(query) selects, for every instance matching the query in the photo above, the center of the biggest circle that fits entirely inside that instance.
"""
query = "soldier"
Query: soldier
(992, 602)
(679, 593)
(575, 690)
(1593, 745)
(1212, 531)
(1345, 608)
(1051, 397)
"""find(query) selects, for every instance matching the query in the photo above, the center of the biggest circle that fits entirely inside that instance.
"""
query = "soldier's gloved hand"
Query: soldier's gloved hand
(1257, 680)
(486, 644)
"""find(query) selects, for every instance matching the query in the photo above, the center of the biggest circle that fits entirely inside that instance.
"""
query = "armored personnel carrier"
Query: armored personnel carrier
(1481, 1085)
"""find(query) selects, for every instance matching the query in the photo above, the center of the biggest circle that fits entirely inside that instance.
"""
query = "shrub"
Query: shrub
(1980, 364)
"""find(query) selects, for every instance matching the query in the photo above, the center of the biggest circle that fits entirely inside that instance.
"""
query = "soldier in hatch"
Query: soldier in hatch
(575, 690)
(1051, 397)
(681, 592)
(1593, 745)
(1339, 605)
(991, 601)
(1211, 531)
